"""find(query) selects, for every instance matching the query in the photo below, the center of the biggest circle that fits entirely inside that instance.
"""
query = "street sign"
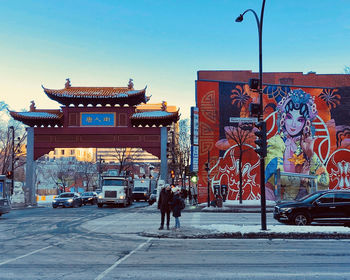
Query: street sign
(243, 120)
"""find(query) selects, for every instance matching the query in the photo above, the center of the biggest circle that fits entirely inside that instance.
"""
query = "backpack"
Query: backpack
(182, 204)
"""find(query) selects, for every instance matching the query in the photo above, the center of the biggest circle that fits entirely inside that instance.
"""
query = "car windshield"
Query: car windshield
(113, 182)
(139, 189)
(66, 194)
(87, 194)
(154, 191)
(310, 197)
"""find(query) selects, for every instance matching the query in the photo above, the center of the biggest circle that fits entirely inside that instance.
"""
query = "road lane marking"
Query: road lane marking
(26, 255)
(104, 273)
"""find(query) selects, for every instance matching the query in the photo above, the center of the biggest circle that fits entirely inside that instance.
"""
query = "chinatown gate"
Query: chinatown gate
(96, 117)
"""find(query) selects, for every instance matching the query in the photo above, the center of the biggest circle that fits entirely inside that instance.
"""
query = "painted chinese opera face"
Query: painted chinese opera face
(294, 122)
(308, 133)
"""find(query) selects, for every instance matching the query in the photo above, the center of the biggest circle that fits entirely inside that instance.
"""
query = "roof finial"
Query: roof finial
(131, 84)
(32, 106)
(67, 84)
(164, 105)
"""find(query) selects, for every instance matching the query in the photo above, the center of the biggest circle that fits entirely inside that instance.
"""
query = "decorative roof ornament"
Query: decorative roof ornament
(131, 84)
(32, 107)
(67, 84)
(164, 105)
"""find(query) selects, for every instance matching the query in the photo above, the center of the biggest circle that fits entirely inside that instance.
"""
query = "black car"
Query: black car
(67, 199)
(329, 205)
(89, 198)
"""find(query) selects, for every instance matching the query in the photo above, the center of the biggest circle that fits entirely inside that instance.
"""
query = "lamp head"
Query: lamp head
(239, 18)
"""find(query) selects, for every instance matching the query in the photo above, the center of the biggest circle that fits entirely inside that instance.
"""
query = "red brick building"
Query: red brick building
(324, 99)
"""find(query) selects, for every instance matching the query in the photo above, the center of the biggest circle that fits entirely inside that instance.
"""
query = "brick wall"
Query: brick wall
(286, 78)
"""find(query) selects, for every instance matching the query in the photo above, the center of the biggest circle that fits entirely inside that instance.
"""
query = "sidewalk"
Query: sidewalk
(218, 230)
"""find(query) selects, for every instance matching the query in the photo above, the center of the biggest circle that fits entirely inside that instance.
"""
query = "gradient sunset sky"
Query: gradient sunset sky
(161, 44)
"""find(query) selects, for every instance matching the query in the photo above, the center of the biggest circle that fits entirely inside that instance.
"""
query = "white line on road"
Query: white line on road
(26, 255)
(104, 273)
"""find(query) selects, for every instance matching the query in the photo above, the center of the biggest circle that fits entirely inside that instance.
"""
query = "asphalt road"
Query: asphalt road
(80, 243)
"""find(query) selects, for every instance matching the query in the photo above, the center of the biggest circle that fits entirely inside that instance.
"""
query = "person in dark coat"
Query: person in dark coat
(176, 207)
(164, 201)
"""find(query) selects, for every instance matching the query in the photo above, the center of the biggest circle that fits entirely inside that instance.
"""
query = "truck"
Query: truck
(116, 189)
(142, 189)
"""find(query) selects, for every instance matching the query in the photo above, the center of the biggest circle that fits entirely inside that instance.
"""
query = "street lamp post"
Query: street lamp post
(207, 168)
(12, 158)
(261, 108)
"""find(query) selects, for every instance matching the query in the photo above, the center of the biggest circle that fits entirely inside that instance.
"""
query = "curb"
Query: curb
(249, 235)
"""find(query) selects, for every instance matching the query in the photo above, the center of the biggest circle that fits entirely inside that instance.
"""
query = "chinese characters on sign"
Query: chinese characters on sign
(97, 119)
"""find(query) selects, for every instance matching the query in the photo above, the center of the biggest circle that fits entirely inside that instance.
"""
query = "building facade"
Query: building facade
(308, 133)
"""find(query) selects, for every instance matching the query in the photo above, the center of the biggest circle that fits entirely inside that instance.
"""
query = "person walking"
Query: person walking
(164, 205)
(177, 205)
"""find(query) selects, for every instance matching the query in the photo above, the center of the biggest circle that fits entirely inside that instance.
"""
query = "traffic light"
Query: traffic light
(172, 174)
(254, 109)
(261, 143)
(253, 84)
(194, 179)
(9, 175)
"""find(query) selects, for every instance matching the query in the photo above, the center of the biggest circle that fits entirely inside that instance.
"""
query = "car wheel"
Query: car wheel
(301, 219)
(54, 206)
(99, 205)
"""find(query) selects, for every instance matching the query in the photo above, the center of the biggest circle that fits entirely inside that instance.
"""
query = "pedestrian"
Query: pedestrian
(190, 195)
(194, 195)
(177, 205)
(164, 205)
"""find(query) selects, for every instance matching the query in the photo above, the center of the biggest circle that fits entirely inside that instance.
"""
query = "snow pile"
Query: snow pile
(282, 229)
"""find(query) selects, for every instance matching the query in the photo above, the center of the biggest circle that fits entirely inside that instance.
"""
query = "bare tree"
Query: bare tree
(240, 135)
(126, 157)
(180, 148)
(87, 171)
(8, 145)
(61, 172)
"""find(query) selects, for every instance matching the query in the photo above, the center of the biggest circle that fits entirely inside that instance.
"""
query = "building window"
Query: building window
(72, 152)
(62, 152)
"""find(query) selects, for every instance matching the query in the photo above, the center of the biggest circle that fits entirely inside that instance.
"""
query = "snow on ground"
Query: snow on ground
(222, 228)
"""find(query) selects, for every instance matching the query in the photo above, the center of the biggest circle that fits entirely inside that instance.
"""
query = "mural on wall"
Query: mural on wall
(308, 139)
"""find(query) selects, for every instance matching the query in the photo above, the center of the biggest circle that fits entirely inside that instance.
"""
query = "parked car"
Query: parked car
(153, 197)
(5, 206)
(329, 205)
(67, 199)
(140, 193)
(89, 198)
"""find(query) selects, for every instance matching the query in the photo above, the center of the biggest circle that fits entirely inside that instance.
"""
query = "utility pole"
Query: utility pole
(12, 158)
(207, 168)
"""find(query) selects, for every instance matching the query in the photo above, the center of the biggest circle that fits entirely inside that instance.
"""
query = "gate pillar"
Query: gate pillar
(30, 195)
(163, 154)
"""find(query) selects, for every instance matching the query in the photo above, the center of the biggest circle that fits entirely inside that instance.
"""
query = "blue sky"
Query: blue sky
(161, 44)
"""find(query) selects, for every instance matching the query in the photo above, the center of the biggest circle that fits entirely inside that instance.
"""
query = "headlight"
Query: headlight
(100, 196)
(54, 200)
(121, 197)
(70, 200)
(286, 210)
(145, 194)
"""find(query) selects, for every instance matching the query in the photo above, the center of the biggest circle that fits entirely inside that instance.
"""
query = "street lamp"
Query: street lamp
(261, 108)
(12, 158)
(207, 168)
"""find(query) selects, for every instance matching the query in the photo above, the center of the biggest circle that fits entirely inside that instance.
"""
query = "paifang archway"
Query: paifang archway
(99, 117)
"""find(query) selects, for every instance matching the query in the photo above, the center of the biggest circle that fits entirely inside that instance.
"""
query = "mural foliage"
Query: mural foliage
(308, 140)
